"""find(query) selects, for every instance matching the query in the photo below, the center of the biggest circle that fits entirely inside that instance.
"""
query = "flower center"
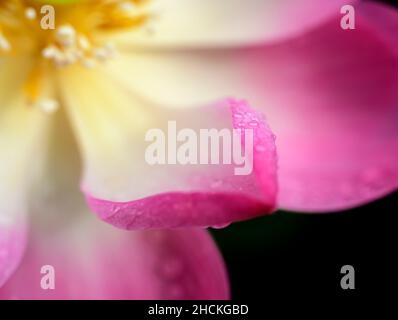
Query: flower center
(58, 35)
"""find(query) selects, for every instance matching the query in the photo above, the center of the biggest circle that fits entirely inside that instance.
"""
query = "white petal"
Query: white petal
(229, 22)
(21, 133)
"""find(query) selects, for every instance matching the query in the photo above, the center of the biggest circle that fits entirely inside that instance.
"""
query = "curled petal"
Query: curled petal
(126, 190)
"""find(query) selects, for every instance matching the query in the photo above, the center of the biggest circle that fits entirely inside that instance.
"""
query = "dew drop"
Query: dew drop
(253, 123)
(221, 225)
(115, 209)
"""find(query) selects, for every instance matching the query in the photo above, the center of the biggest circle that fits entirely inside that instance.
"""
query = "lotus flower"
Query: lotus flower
(330, 96)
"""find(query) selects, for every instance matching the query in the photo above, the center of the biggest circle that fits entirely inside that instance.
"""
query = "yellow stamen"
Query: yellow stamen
(33, 84)
(79, 37)
(4, 44)
(30, 13)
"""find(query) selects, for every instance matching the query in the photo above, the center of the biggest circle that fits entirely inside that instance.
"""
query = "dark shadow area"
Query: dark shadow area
(290, 254)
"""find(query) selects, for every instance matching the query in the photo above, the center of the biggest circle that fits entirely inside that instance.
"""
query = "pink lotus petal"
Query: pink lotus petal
(331, 97)
(12, 246)
(384, 18)
(126, 191)
(341, 147)
(183, 264)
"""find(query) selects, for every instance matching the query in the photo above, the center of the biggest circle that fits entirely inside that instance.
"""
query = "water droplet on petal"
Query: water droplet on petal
(221, 225)
(115, 209)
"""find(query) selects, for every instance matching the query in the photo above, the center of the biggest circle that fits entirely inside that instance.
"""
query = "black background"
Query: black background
(290, 254)
(300, 255)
